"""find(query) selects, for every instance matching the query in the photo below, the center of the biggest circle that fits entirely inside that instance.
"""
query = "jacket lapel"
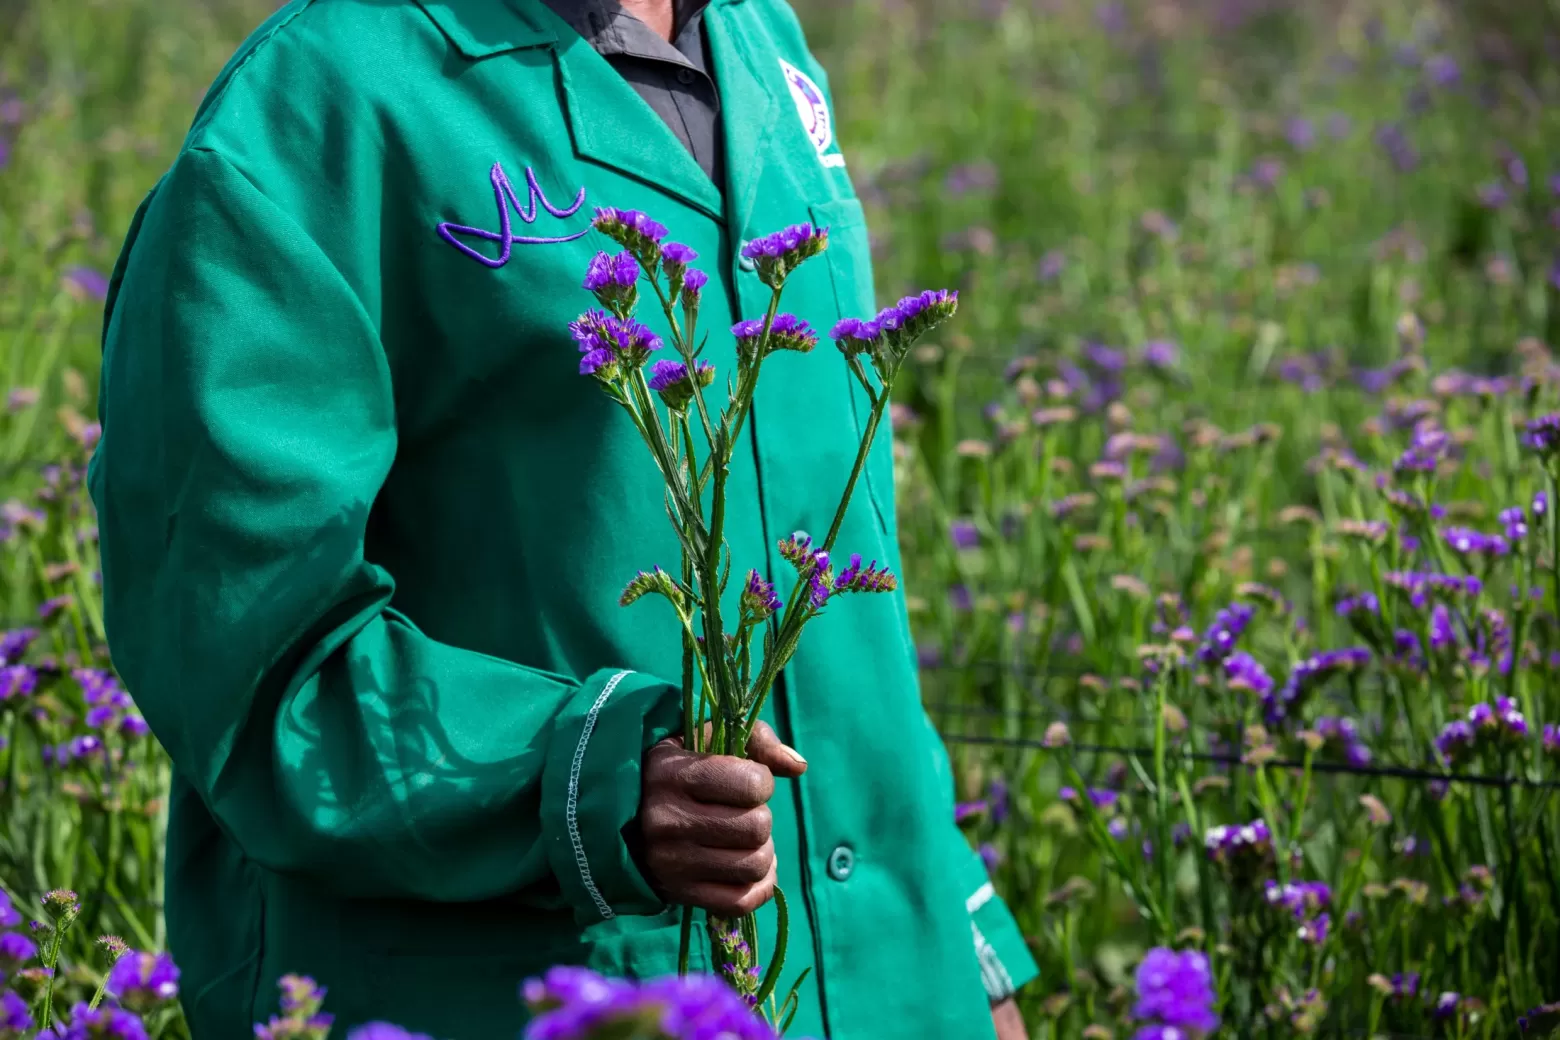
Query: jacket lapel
(612, 125)
(749, 109)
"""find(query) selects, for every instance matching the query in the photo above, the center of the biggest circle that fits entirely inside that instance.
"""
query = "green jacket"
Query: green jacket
(365, 527)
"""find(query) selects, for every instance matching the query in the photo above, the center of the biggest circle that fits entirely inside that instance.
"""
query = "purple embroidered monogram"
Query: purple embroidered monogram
(504, 195)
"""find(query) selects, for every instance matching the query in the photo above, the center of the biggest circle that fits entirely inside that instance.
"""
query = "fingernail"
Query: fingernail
(794, 754)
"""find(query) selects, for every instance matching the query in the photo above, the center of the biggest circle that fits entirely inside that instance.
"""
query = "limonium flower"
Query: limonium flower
(1175, 989)
(17, 680)
(1421, 588)
(870, 579)
(1428, 447)
(15, 1019)
(854, 336)
(670, 380)
(1244, 851)
(758, 597)
(1228, 624)
(611, 278)
(675, 258)
(1308, 675)
(9, 916)
(142, 981)
(104, 1023)
(384, 1031)
(16, 950)
(14, 643)
(1343, 737)
(610, 344)
(786, 332)
(1467, 542)
(573, 1003)
(1542, 434)
(776, 255)
(632, 230)
(654, 580)
(1551, 740)
(1245, 673)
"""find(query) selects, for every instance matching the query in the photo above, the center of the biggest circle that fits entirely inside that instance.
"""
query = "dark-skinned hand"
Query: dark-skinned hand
(706, 823)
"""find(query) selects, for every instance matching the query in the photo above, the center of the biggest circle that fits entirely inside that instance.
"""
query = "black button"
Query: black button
(685, 76)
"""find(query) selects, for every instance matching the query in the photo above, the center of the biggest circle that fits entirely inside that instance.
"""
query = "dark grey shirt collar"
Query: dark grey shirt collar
(610, 30)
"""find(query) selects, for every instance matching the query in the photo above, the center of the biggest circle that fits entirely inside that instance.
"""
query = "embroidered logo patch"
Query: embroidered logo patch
(814, 113)
(506, 199)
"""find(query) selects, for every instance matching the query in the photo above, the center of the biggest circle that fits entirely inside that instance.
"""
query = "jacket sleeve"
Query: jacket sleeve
(248, 426)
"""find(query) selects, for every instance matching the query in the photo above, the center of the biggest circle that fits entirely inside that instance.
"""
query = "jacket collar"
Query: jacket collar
(483, 28)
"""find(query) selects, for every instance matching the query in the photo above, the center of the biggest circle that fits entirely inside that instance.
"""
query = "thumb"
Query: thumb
(764, 747)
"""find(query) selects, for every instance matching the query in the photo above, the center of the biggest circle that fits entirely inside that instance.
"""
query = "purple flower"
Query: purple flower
(1443, 70)
(1055, 261)
(608, 271)
(609, 344)
(134, 726)
(693, 284)
(872, 578)
(670, 380)
(15, 1019)
(1301, 133)
(1428, 447)
(1455, 742)
(990, 856)
(106, 1023)
(997, 794)
(1245, 850)
(675, 255)
(854, 336)
(964, 534)
(1515, 521)
(1219, 641)
(786, 332)
(1446, 1005)
(575, 1003)
(384, 1031)
(1543, 434)
(9, 916)
(1551, 740)
(17, 680)
(1244, 672)
(15, 950)
(632, 230)
(142, 981)
(1467, 542)
(14, 644)
(758, 596)
(1310, 674)
(778, 254)
(86, 283)
(1176, 989)
(1159, 353)
(1302, 899)
(964, 810)
(914, 316)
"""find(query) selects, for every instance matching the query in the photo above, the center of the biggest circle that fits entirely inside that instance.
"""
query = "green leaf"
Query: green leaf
(777, 959)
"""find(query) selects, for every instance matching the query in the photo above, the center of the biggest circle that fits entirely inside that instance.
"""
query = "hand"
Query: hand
(1009, 1023)
(706, 823)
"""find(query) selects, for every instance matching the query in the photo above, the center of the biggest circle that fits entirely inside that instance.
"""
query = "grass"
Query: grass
(1321, 225)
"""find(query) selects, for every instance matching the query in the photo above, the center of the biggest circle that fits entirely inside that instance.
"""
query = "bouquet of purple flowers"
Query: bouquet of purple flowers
(730, 664)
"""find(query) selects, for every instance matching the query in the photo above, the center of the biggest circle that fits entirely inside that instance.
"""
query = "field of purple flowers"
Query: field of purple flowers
(1229, 503)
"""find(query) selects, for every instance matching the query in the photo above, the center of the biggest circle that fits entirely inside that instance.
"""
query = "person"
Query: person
(365, 527)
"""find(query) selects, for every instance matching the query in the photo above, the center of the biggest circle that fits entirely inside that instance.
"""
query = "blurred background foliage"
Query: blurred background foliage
(1165, 217)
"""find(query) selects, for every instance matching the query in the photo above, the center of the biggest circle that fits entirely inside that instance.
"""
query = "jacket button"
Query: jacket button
(841, 862)
(746, 263)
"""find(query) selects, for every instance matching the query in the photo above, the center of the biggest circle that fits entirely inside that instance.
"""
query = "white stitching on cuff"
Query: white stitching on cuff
(982, 895)
(571, 811)
(993, 973)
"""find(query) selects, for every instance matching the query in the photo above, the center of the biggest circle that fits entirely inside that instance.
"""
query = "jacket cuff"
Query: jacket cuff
(1006, 965)
(591, 787)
